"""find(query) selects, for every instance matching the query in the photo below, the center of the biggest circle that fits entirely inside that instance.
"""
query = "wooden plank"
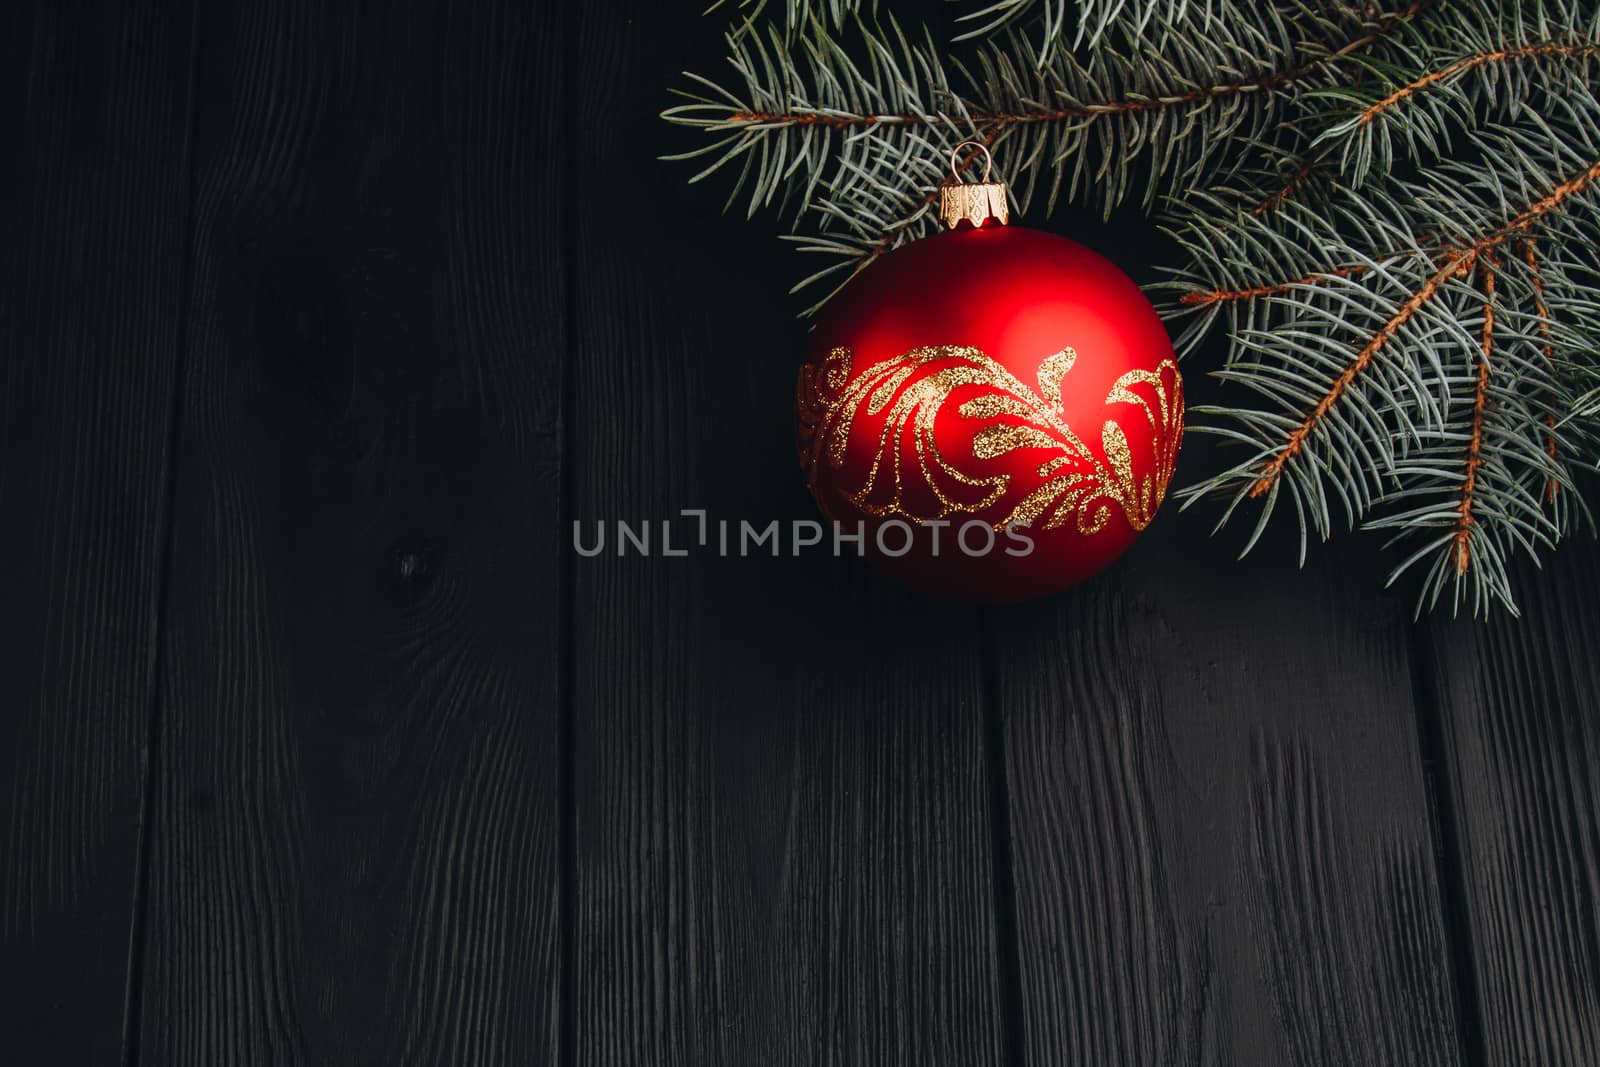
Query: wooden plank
(356, 842)
(1520, 743)
(94, 114)
(1220, 832)
(783, 830)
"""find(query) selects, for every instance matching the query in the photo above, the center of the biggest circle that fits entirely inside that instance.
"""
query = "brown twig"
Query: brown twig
(1540, 51)
(1463, 261)
(1006, 119)
(1296, 179)
(1543, 311)
(1205, 298)
(1459, 262)
(1480, 400)
(1127, 105)
(1368, 116)
(1385, 23)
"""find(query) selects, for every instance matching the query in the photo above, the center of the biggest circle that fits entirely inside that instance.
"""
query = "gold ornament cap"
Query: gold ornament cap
(975, 203)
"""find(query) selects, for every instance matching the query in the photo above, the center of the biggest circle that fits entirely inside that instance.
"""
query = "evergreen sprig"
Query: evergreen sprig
(1391, 211)
(1081, 23)
(858, 138)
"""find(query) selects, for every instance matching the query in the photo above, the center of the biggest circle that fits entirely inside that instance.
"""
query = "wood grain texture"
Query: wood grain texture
(94, 120)
(356, 840)
(1519, 712)
(1220, 836)
(783, 831)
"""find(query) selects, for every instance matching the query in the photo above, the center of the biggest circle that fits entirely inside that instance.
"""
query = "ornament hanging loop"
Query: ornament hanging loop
(975, 203)
(956, 166)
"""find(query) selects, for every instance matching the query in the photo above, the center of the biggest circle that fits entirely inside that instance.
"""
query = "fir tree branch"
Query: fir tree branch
(1295, 181)
(997, 122)
(1542, 310)
(1199, 299)
(1131, 23)
(797, 12)
(996, 126)
(806, 106)
(1480, 397)
(1456, 264)
(1473, 62)
(1352, 130)
(1049, 15)
(1508, 55)
(1454, 267)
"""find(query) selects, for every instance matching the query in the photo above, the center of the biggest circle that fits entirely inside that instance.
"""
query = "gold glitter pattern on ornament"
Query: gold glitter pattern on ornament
(909, 391)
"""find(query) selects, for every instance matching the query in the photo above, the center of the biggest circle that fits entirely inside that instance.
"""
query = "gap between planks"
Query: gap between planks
(1452, 883)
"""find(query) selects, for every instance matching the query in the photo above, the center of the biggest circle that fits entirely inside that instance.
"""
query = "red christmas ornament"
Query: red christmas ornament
(999, 408)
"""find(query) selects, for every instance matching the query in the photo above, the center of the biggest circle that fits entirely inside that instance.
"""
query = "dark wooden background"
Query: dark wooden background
(321, 321)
